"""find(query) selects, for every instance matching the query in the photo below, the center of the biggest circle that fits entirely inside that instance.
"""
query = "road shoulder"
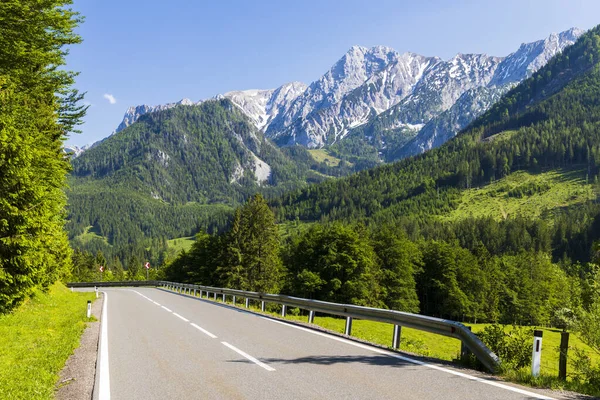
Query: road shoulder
(78, 376)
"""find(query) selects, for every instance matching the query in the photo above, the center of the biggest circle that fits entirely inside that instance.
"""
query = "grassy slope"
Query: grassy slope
(88, 236)
(556, 189)
(322, 155)
(179, 244)
(36, 341)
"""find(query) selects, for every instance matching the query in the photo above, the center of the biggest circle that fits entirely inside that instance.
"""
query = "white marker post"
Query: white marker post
(536, 356)
(147, 266)
(96, 290)
(89, 308)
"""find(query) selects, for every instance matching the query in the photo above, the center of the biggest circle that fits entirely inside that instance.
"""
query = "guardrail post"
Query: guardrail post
(194, 292)
(224, 298)
(465, 353)
(215, 296)
(247, 302)
(283, 307)
(262, 306)
(396, 338)
(562, 362)
(348, 330)
(311, 317)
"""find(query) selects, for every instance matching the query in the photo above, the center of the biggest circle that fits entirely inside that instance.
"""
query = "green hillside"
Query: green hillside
(526, 194)
(174, 173)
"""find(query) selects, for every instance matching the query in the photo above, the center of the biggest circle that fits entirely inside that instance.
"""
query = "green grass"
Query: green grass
(37, 339)
(179, 244)
(89, 235)
(501, 136)
(546, 191)
(323, 156)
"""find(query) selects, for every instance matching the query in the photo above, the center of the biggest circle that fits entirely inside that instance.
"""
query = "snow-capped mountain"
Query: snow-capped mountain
(425, 88)
(532, 56)
(510, 71)
(400, 94)
(74, 151)
(262, 106)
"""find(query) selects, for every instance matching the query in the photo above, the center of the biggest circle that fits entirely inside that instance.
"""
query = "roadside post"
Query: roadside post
(89, 308)
(536, 356)
(147, 266)
(562, 362)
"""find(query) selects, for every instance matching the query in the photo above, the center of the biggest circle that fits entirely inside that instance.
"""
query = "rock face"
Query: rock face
(134, 113)
(423, 98)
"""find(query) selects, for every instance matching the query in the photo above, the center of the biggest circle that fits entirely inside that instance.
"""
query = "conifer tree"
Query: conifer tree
(38, 107)
(258, 245)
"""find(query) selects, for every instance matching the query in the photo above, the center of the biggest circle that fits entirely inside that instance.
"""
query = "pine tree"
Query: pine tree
(259, 246)
(38, 107)
(134, 269)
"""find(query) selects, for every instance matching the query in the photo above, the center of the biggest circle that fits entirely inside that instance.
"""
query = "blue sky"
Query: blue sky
(153, 52)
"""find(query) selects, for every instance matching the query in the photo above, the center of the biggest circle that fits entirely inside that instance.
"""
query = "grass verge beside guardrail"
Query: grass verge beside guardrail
(37, 339)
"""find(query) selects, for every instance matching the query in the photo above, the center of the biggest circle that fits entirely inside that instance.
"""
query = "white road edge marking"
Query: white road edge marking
(104, 379)
(180, 317)
(166, 308)
(410, 360)
(249, 357)
(203, 330)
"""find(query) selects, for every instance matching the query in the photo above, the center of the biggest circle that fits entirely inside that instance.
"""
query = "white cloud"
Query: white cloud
(111, 99)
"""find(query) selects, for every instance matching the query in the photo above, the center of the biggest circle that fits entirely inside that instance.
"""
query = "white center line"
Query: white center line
(249, 357)
(179, 316)
(166, 309)
(158, 304)
(203, 330)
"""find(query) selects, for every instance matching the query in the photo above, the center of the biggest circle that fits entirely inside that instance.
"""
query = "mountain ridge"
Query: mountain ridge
(397, 92)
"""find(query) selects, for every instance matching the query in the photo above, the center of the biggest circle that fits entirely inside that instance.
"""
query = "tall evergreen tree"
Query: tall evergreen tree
(38, 107)
(259, 246)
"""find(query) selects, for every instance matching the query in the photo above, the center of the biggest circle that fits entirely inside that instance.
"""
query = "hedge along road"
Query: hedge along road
(165, 345)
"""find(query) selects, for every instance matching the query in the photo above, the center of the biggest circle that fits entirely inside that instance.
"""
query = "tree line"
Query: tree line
(384, 267)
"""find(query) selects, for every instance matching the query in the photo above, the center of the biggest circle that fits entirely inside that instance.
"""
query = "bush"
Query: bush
(584, 371)
(513, 347)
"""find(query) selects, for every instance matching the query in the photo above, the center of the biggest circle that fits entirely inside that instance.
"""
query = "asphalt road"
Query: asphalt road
(163, 345)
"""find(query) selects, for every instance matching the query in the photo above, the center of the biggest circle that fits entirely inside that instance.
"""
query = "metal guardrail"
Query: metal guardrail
(113, 284)
(397, 318)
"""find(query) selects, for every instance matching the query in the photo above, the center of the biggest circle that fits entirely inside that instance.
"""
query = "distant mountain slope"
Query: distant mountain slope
(549, 121)
(204, 153)
(178, 170)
